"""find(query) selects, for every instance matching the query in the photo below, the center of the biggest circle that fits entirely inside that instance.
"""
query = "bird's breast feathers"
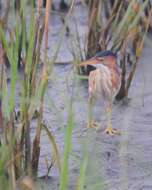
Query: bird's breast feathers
(104, 81)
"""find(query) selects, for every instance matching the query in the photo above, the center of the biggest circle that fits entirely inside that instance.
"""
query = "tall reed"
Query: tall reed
(119, 25)
(22, 48)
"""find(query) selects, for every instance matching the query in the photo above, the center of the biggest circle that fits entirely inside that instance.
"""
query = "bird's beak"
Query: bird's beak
(92, 61)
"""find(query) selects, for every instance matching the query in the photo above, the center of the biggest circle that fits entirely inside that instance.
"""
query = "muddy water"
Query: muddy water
(115, 163)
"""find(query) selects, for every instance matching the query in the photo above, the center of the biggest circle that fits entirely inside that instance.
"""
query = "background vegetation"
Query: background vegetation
(120, 26)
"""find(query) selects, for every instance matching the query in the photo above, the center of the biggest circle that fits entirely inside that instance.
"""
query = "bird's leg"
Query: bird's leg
(90, 102)
(109, 130)
(91, 123)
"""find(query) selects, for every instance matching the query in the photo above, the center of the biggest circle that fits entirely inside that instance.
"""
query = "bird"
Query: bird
(104, 82)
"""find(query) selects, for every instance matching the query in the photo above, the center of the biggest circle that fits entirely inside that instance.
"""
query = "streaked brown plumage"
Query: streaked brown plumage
(104, 81)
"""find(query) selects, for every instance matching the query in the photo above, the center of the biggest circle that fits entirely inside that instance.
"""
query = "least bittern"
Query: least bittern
(104, 81)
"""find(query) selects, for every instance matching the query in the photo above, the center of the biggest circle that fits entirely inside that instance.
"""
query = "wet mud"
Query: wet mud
(120, 162)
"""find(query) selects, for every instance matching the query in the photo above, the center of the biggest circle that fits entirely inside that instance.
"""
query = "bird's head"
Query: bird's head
(107, 58)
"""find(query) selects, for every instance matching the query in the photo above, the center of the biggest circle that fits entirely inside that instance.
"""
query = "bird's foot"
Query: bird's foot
(92, 125)
(111, 131)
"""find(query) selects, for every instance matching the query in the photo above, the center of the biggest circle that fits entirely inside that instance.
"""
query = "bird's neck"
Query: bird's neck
(111, 64)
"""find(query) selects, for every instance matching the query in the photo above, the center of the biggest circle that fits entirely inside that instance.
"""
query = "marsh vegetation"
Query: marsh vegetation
(44, 141)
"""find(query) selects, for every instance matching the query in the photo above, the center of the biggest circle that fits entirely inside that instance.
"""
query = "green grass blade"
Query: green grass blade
(81, 179)
(67, 148)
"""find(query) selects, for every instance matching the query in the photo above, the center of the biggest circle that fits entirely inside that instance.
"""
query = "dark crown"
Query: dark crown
(106, 53)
